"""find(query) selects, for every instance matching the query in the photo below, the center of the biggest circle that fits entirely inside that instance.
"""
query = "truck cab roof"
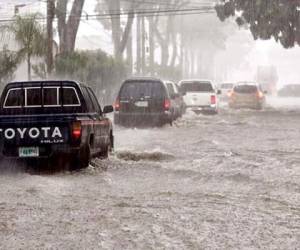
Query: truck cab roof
(40, 97)
(41, 83)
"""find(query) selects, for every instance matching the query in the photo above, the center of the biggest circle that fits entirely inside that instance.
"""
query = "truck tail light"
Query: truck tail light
(76, 130)
(213, 100)
(167, 104)
(117, 104)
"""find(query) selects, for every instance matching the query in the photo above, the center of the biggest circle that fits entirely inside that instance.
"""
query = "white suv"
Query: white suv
(200, 96)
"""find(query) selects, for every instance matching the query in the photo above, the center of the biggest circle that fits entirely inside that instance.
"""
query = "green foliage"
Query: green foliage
(28, 34)
(8, 64)
(266, 18)
(95, 68)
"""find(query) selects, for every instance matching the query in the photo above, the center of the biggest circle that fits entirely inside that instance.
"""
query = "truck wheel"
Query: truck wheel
(106, 150)
(83, 158)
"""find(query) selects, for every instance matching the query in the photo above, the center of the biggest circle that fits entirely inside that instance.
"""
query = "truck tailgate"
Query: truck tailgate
(35, 130)
(197, 99)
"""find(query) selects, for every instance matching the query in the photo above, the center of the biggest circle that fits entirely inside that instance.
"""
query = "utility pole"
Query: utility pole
(50, 17)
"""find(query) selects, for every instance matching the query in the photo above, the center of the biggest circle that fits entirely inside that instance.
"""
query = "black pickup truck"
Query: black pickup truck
(53, 120)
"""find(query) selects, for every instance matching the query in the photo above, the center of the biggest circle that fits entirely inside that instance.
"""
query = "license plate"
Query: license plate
(142, 104)
(29, 152)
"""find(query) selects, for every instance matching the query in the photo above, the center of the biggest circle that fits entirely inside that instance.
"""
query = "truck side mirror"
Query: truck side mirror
(108, 109)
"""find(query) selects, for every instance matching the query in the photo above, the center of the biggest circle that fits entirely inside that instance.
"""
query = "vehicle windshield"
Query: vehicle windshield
(196, 87)
(142, 89)
(246, 89)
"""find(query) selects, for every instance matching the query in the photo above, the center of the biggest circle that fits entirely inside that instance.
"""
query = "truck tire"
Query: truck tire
(83, 159)
(108, 148)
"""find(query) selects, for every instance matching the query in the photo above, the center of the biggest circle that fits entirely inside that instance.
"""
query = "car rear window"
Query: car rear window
(33, 97)
(226, 86)
(245, 89)
(196, 87)
(136, 90)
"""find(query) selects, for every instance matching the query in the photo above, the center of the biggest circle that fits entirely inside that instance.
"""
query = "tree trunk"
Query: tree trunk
(175, 50)
(129, 53)
(61, 10)
(114, 7)
(29, 67)
(67, 30)
(50, 16)
(143, 46)
(181, 59)
(151, 46)
(127, 32)
(138, 45)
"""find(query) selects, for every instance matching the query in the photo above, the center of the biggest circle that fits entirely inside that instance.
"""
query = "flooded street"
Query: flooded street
(230, 181)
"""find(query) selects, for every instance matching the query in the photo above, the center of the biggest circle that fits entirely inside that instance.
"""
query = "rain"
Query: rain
(149, 124)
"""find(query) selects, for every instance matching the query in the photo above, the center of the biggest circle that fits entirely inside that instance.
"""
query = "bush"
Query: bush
(8, 65)
(95, 68)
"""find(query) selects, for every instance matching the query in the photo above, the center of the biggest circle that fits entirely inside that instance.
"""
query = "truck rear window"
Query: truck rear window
(14, 98)
(226, 86)
(51, 96)
(70, 97)
(196, 87)
(32, 97)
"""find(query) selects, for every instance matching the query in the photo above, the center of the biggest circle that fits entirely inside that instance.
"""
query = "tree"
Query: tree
(120, 36)
(266, 19)
(68, 27)
(99, 70)
(8, 64)
(28, 33)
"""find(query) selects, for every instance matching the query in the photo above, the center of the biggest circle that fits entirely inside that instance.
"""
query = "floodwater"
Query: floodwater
(230, 181)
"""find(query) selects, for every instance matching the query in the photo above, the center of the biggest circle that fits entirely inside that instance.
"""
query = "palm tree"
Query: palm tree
(30, 37)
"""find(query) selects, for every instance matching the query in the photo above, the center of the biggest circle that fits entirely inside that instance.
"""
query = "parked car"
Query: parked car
(56, 120)
(226, 90)
(143, 101)
(290, 90)
(200, 96)
(247, 95)
(176, 99)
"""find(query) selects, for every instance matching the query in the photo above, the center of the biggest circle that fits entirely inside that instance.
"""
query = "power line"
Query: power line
(164, 12)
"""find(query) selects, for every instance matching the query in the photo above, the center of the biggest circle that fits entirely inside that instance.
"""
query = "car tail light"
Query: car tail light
(76, 130)
(259, 94)
(213, 99)
(230, 94)
(117, 105)
(167, 104)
